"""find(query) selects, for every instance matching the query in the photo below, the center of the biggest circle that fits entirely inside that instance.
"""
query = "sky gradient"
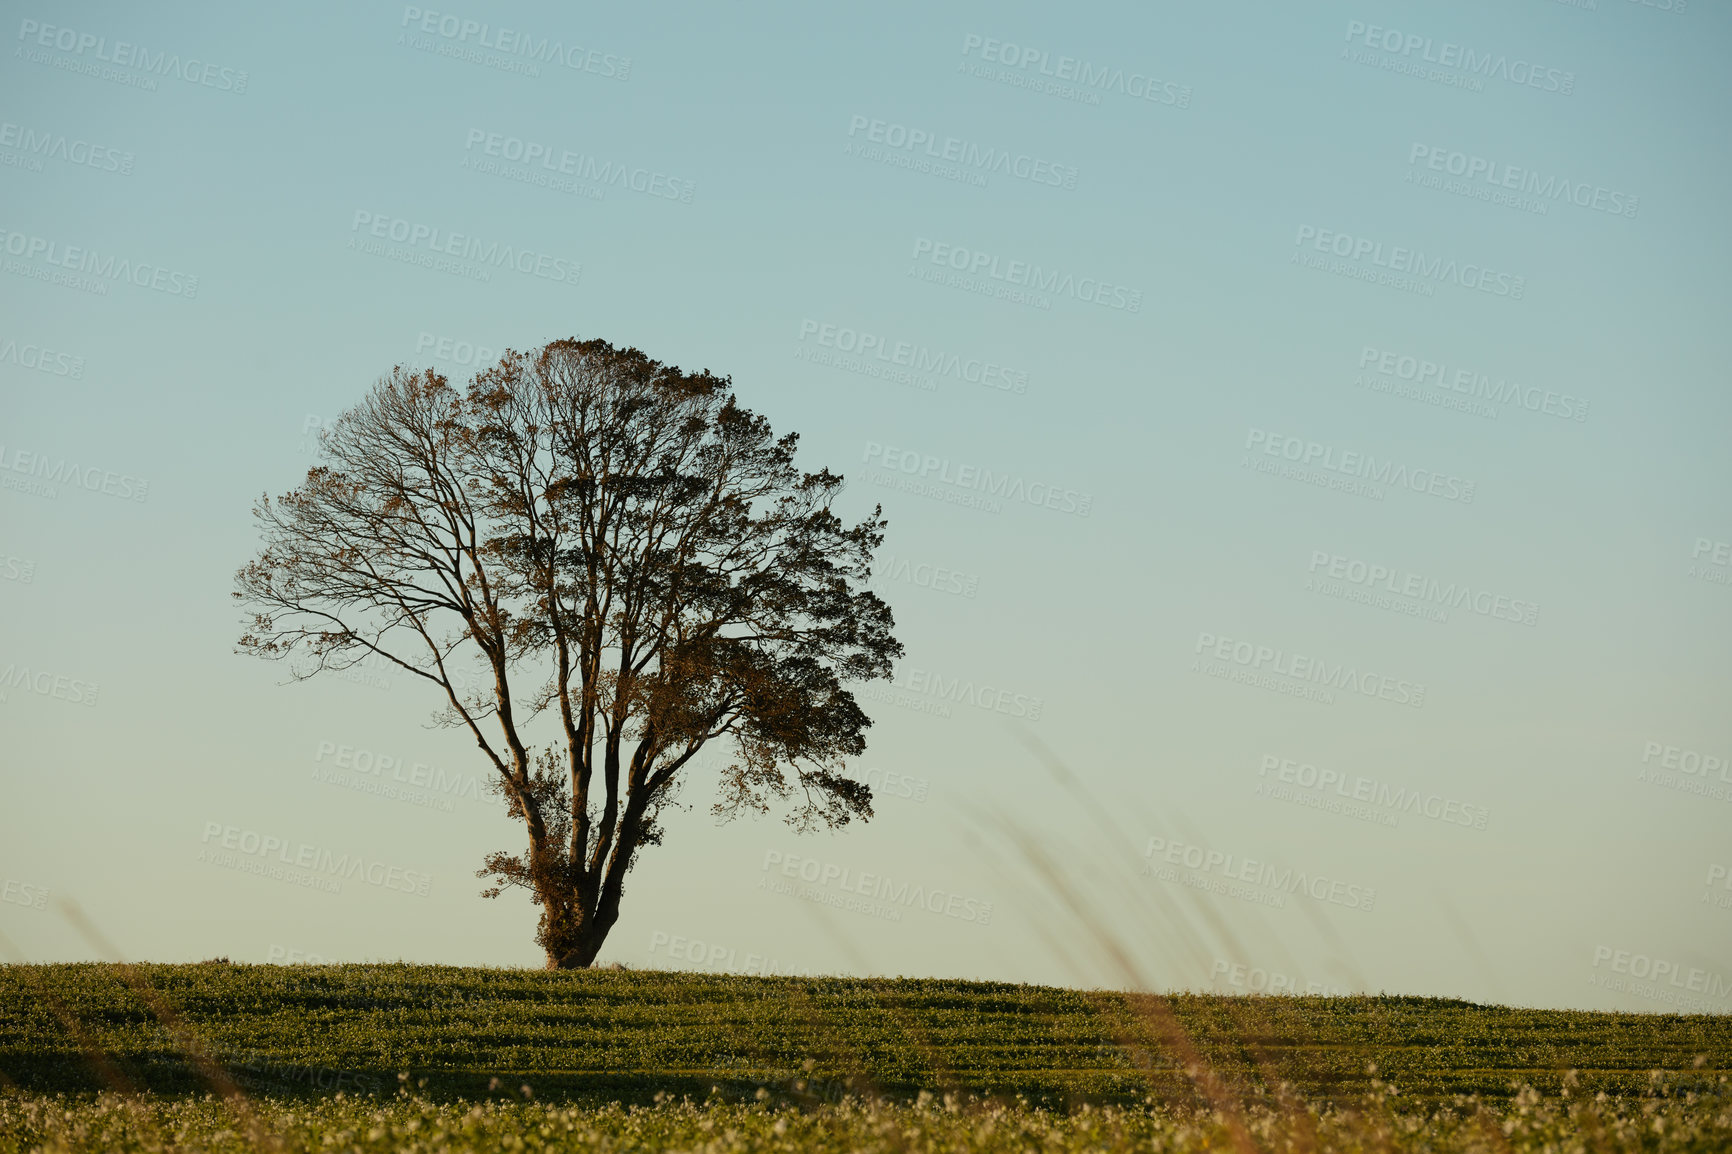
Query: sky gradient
(1302, 430)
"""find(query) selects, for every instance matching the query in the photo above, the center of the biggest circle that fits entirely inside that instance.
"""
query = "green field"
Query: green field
(831, 1061)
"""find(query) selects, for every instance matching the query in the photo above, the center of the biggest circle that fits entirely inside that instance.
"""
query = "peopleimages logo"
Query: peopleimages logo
(1398, 799)
(974, 264)
(84, 261)
(1686, 770)
(313, 859)
(916, 358)
(880, 889)
(557, 161)
(1260, 981)
(1003, 486)
(1503, 178)
(715, 956)
(1718, 873)
(37, 145)
(60, 471)
(1690, 762)
(1656, 970)
(22, 569)
(126, 55)
(418, 775)
(282, 955)
(1268, 661)
(1711, 561)
(18, 893)
(965, 154)
(1377, 578)
(1719, 552)
(1265, 875)
(888, 567)
(963, 691)
(529, 48)
(890, 783)
(1410, 268)
(1411, 47)
(438, 242)
(1471, 383)
(1086, 77)
(470, 354)
(41, 358)
(44, 683)
(1360, 466)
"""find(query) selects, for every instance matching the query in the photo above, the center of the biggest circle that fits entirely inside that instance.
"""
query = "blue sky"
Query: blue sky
(1383, 343)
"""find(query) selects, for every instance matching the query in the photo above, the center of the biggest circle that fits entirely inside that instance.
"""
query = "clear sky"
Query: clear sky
(1306, 424)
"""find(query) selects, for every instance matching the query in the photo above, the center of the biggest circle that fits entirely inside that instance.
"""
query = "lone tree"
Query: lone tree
(591, 536)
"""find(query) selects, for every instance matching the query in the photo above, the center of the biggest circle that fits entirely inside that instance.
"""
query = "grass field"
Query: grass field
(381, 1057)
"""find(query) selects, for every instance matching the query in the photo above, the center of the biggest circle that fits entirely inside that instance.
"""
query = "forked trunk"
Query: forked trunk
(579, 953)
(571, 935)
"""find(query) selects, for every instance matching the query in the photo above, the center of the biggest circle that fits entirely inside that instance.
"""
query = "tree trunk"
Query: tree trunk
(562, 935)
(572, 935)
(579, 952)
(575, 918)
(577, 942)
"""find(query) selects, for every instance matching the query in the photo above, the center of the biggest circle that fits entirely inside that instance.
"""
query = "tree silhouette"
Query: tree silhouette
(597, 545)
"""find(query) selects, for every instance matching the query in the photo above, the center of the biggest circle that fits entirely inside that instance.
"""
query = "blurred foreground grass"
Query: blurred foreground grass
(1524, 1125)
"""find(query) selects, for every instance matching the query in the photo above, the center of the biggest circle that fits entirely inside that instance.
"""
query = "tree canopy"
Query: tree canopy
(608, 553)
